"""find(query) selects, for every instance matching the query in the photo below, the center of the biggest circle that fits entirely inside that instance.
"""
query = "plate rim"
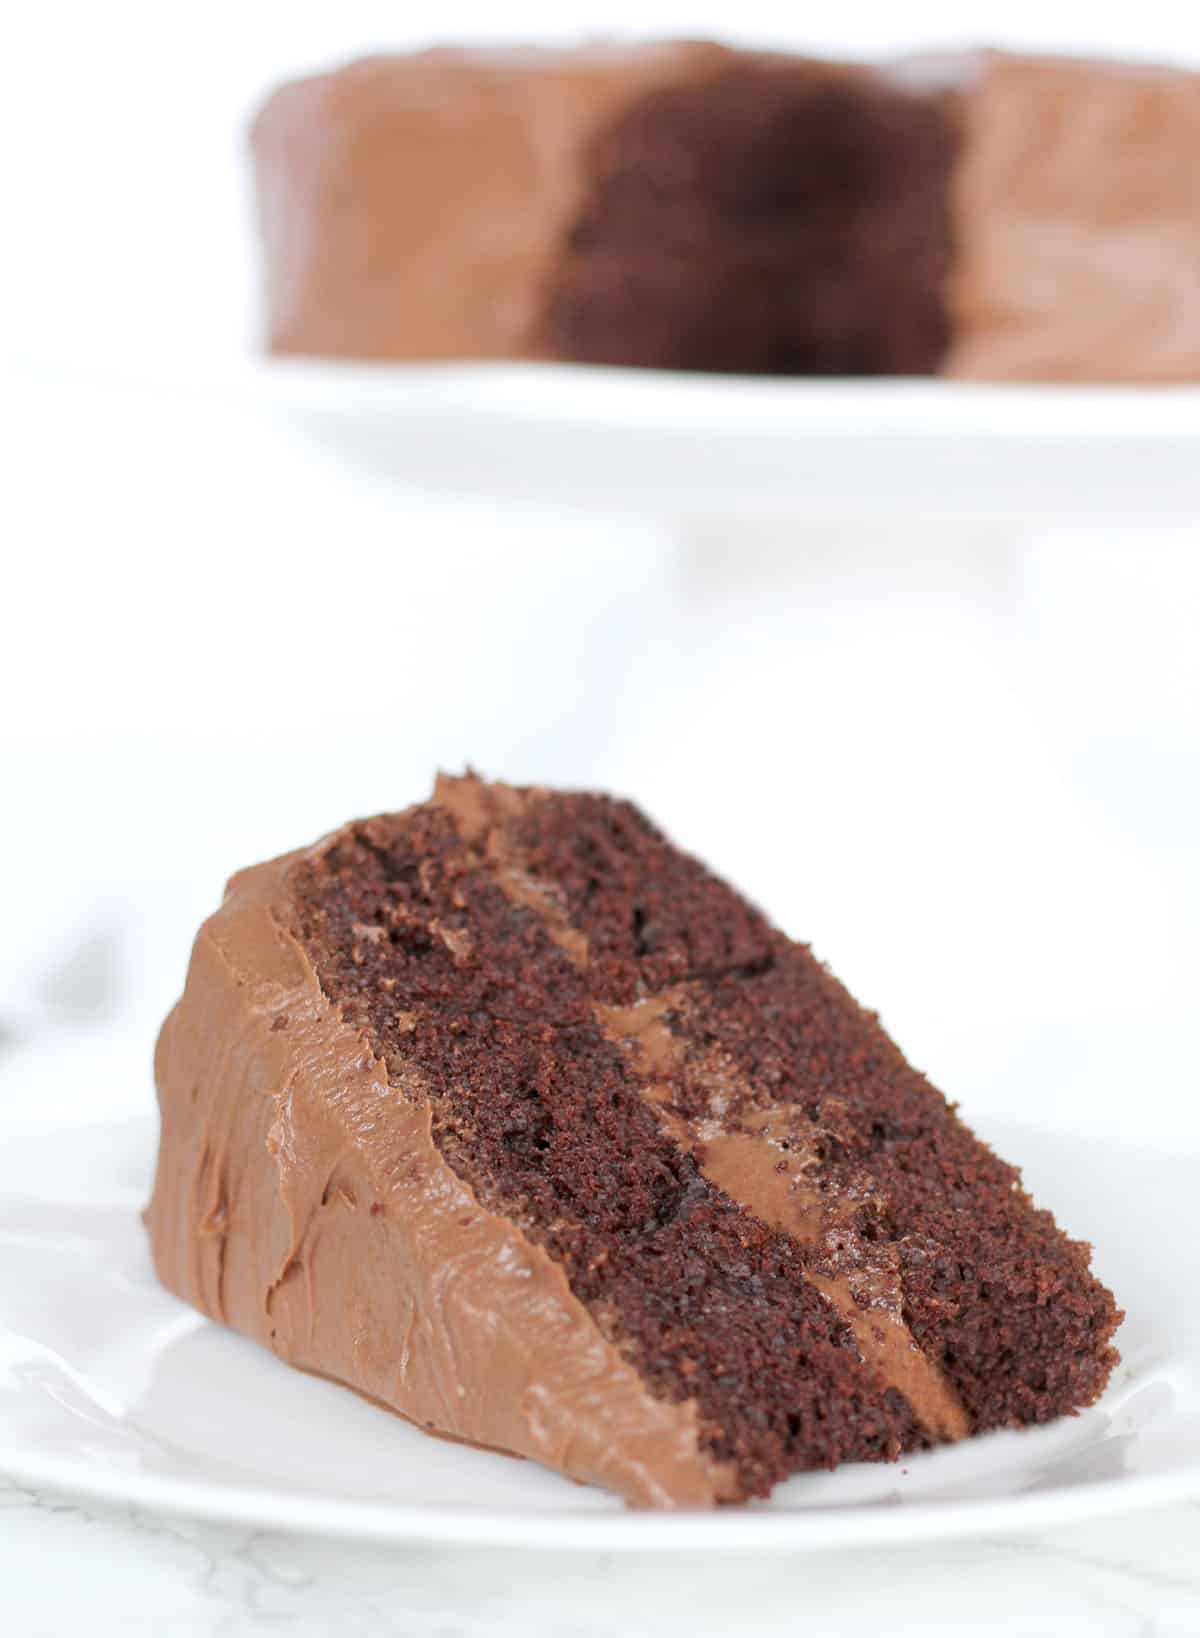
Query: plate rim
(649, 400)
(824, 405)
(794, 1530)
(752, 1527)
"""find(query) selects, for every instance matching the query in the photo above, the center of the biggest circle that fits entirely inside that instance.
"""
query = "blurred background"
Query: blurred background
(962, 760)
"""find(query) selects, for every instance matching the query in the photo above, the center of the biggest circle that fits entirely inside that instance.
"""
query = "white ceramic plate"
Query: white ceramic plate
(680, 447)
(110, 1388)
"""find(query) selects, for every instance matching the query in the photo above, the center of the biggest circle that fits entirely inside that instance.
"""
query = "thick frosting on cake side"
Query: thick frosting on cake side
(412, 207)
(1077, 220)
(300, 1199)
(686, 205)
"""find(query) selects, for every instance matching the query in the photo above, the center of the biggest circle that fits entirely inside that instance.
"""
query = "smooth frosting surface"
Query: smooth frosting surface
(412, 207)
(1077, 218)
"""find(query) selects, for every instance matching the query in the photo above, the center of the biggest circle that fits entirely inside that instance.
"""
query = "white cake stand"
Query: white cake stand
(679, 448)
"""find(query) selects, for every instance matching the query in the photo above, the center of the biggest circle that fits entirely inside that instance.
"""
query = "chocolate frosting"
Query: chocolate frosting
(300, 1199)
(1077, 220)
(413, 206)
(686, 205)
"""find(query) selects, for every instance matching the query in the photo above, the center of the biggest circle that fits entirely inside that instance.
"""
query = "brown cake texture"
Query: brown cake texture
(679, 204)
(512, 1116)
(774, 216)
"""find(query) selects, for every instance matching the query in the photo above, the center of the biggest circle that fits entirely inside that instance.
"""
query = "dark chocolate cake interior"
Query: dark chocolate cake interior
(499, 957)
(776, 217)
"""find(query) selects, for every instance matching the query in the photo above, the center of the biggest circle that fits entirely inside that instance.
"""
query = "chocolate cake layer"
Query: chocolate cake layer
(774, 216)
(509, 1114)
(685, 205)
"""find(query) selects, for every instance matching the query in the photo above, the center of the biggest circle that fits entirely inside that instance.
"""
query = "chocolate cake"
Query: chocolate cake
(773, 216)
(413, 207)
(689, 206)
(510, 1115)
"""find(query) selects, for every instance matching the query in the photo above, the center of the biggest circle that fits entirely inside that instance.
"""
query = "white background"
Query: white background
(964, 762)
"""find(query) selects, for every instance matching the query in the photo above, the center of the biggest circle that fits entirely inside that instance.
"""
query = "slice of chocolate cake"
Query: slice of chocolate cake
(510, 1115)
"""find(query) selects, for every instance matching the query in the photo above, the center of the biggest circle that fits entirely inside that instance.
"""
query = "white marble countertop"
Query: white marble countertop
(70, 1568)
